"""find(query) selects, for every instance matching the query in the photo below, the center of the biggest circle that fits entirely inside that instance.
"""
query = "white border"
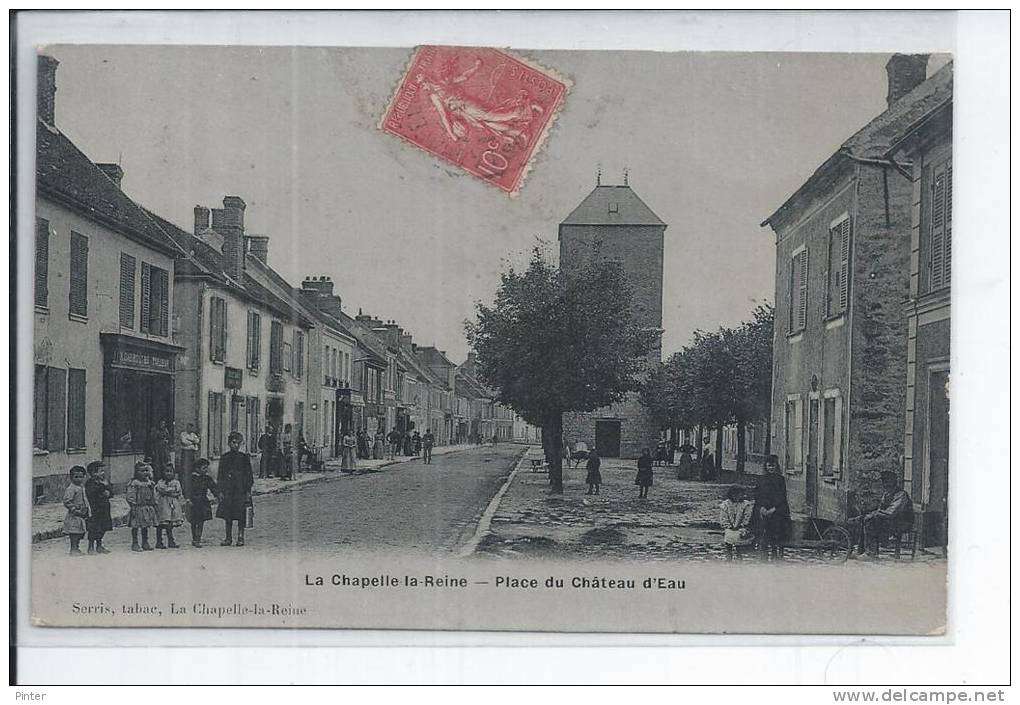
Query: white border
(979, 652)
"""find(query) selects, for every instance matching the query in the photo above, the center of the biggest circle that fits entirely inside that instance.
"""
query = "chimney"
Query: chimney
(113, 172)
(319, 292)
(46, 88)
(406, 340)
(906, 72)
(201, 220)
(229, 222)
(258, 247)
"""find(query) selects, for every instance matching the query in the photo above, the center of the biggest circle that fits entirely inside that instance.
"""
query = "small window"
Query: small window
(838, 268)
(254, 356)
(614, 207)
(287, 354)
(798, 291)
(217, 329)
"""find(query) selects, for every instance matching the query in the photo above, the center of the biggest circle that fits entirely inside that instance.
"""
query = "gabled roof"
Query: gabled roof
(63, 173)
(612, 205)
(879, 137)
(204, 259)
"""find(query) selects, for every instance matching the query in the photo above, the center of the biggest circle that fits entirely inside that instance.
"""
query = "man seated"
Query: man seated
(894, 515)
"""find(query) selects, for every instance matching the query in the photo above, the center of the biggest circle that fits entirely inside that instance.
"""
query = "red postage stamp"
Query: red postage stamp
(482, 109)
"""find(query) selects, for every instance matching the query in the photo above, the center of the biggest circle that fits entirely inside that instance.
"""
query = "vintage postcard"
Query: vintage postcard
(487, 338)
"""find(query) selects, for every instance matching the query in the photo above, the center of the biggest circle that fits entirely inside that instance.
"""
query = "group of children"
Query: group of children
(158, 505)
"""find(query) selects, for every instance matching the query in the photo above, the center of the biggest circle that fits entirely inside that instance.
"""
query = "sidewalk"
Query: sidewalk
(48, 519)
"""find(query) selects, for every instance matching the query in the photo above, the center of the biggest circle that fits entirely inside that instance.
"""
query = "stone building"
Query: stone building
(616, 223)
(843, 263)
(105, 358)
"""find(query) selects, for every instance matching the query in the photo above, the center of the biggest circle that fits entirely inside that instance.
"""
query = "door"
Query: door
(811, 469)
(607, 438)
(274, 414)
(937, 530)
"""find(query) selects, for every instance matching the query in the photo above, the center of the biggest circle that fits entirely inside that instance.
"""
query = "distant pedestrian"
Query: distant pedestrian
(363, 451)
(394, 444)
(286, 471)
(98, 494)
(78, 510)
(644, 473)
(169, 511)
(234, 481)
(594, 477)
(141, 498)
(671, 451)
(707, 465)
(685, 468)
(159, 447)
(416, 440)
(347, 461)
(771, 516)
(427, 442)
(189, 443)
(199, 506)
(735, 517)
(379, 445)
(408, 444)
(267, 449)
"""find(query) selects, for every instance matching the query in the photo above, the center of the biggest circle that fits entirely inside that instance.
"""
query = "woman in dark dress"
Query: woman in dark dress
(770, 518)
(644, 473)
(98, 494)
(235, 481)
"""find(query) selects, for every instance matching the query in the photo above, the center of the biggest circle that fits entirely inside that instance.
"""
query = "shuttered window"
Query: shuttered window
(276, 348)
(42, 263)
(941, 217)
(75, 409)
(217, 329)
(798, 291)
(299, 353)
(252, 424)
(50, 401)
(254, 355)
(78, 304)
(838, 267)
(127, 290)
(155, 316)
(215, 424)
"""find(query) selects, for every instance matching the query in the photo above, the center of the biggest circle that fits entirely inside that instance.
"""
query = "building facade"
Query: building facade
(104, 354)
(614, 222)
(843, 261)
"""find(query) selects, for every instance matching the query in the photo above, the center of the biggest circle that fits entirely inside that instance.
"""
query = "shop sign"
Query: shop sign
(231, 378)
(141, 360)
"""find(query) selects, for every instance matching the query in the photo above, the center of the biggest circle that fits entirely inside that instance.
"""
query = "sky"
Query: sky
(714, 143)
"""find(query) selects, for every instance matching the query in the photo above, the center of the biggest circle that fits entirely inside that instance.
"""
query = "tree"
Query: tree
(552, 343)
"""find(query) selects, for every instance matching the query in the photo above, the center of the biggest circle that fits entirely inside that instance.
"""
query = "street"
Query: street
(407, 508)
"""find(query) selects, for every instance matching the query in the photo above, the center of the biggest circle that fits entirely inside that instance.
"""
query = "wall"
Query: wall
(60, 341)
(881, 267)
(821, 350)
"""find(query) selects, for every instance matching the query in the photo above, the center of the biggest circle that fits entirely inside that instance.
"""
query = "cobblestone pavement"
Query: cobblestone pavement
(411, 507)
(678, 520)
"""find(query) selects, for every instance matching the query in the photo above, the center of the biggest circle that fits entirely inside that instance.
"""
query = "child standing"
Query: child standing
(735, 517)
(98, 494)
(141, 497)
(78, 509)
(644, 473)
(201, 509)
(168, 507)
(594, 478)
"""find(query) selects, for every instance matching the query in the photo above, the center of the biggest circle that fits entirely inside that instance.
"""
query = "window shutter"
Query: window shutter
(802, 292)
(276, 347)
(40, 414)
(299, 352)
(127, 290)
(164, 301)
(146, 297)
(938, 228)
(223, 329)
(798, 435)
(844, 264)
(42, 262)
(75, 409)
(79, 293)
(837, 439)
(948, 240)
(56, 405)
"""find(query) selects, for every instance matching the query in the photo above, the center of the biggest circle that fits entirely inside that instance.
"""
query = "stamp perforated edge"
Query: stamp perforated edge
(537, 144)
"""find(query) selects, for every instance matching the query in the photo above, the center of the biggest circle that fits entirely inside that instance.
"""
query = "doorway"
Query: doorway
(274, 414)
(607, 438)
(811, 471)
(936, 530)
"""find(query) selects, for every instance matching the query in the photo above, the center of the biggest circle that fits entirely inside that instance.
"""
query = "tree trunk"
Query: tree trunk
(718, 448)
(555, 426)
(741, 445)
(768, 432)
(701, 441)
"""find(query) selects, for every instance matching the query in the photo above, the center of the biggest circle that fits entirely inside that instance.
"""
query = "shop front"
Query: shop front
(138, 401)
